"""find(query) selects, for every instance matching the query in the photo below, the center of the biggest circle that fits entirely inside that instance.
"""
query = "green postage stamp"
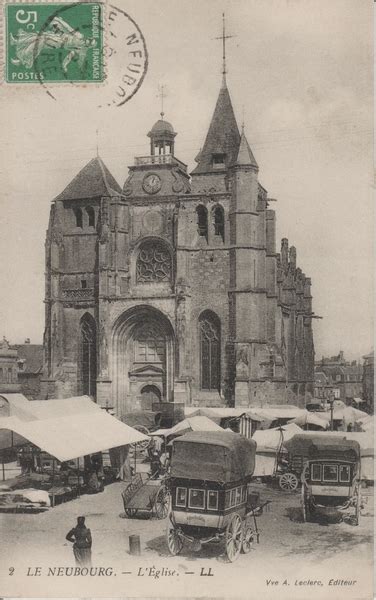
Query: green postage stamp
(54, 42)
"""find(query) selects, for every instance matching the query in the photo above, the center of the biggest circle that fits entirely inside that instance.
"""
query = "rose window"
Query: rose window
(154, 263)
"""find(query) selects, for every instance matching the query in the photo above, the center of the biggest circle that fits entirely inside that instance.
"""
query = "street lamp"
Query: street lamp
(331, 402)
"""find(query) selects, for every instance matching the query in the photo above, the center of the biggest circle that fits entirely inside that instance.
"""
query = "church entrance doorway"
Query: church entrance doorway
(142, 361)
(150, 394)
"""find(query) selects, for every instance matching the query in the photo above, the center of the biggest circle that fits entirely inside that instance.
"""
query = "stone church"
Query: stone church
(171, 288)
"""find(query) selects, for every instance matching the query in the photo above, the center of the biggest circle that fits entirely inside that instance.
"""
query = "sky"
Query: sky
(299, 74)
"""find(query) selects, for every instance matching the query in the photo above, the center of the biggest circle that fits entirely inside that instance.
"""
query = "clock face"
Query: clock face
(152, 183)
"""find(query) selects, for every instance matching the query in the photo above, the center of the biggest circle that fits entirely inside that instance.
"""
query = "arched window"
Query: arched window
(88, 356)
(154, 262)
(210, 351)
(150, 345)
(202, 221)
(219, 222)
(78, 215)
(91, 215)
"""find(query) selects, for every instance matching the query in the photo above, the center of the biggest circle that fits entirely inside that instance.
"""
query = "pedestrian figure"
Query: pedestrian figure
(81, 538)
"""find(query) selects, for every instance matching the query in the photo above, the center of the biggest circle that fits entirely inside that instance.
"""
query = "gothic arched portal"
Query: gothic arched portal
(142, 359)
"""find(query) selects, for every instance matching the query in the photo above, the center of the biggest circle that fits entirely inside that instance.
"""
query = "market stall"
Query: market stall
(59, 444)
(196, 423)
(269, 446)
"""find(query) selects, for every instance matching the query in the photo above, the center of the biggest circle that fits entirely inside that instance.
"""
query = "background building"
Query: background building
(21, 368)
(368, 381)
(336, 375)
(171, 288)
(30, 368)
(8, 368)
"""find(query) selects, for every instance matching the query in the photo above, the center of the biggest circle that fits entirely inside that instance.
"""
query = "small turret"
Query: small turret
(245, 156)
(162, 136)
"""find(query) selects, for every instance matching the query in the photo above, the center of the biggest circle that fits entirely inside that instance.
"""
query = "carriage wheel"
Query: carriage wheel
(141, 445)
(249, 539)
(234, 537)
(162, 503)
(174, 540)
(288, 482)
(130, 512)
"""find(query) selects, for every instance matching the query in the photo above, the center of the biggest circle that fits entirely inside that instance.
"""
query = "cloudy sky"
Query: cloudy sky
(299, 70)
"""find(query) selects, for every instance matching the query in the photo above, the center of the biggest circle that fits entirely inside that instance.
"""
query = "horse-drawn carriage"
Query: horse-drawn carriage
(330, 475)
(211, 500)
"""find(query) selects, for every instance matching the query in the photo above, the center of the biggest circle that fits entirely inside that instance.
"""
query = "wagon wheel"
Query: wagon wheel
(288, 482)
(249, 539)
(358, 500)
(141, 445)
(130, 512)
(174, 540)
(234, 537)
(162, 503)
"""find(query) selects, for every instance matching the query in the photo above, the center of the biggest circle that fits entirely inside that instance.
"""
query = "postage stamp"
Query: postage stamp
(54, 42)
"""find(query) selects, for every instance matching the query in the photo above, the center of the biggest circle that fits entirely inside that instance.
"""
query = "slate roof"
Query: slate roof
(223, 136)
(321, 378)
(32, 354)
(161, 127)
(332, 370)
(93, 181)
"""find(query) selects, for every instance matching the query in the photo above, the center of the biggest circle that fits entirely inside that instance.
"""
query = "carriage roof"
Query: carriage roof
(213, 456)
(323, 446)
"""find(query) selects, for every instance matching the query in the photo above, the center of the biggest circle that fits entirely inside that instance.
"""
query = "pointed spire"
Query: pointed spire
(245, 155)
(223, 137)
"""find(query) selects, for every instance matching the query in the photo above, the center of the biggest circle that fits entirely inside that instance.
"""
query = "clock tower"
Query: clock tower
(160, 174)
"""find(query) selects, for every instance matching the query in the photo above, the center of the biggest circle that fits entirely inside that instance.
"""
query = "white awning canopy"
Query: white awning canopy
(271, 439)
(199, 423)
(309, 418)
(214, 413)
(68, 428)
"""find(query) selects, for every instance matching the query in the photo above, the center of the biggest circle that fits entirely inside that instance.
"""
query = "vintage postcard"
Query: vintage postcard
(186, 310)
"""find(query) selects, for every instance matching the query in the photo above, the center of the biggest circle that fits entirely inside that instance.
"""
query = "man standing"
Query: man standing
(81, 538)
